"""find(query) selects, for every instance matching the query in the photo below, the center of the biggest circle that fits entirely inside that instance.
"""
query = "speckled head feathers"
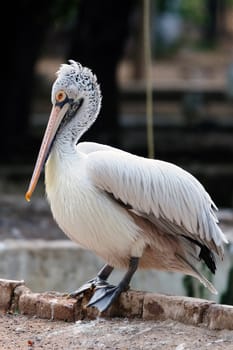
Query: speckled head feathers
(78, 82)
(76, 79)
(74, 70)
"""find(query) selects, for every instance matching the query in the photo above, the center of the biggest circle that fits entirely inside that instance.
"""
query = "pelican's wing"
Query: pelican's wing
(164, 193)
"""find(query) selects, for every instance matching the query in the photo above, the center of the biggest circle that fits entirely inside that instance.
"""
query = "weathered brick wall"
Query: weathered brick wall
(16, 297)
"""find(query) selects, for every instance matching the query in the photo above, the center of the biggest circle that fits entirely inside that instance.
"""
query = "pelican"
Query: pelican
(133, 212)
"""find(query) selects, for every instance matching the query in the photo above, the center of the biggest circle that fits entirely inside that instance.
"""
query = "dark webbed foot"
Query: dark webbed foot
(99, 281)
(89, 285)
(105, 296)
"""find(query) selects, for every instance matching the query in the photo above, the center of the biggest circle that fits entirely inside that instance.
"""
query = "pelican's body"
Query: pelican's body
(93, 218)
(131, 211)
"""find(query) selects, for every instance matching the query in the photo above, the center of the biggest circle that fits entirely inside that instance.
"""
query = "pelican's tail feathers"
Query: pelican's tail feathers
(192, 271)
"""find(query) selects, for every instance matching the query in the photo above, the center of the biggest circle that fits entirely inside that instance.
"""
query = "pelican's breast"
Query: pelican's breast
(86, 214)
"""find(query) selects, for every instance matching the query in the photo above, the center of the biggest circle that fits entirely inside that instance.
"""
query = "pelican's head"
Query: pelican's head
(76, 87)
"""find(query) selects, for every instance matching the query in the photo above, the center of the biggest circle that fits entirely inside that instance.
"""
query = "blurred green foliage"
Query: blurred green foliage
(227, 296)
(192, 10)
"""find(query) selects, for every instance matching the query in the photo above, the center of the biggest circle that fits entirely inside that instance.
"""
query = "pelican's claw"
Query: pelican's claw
(89, 285)
(104, 297)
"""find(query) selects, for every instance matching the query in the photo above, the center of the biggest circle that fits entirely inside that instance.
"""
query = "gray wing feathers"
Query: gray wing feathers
(160, 191)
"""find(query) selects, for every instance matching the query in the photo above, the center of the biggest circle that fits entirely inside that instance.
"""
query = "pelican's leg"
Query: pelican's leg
(98, 281)
(105, 272)
(105, 295)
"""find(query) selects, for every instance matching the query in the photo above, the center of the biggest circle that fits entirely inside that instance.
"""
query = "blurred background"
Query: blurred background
(192, 86)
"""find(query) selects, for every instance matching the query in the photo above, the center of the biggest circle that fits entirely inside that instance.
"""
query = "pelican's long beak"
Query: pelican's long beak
(56, 116)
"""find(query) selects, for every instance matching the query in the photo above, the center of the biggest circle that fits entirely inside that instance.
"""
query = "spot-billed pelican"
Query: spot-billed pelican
(131, 211)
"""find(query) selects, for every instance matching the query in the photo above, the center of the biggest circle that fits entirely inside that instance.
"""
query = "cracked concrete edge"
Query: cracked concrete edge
(16, 297)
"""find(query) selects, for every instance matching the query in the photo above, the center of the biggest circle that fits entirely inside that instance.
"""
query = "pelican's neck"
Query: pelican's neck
(70, 133)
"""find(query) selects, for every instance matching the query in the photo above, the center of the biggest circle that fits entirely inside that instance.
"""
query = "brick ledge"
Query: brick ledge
(15, 296)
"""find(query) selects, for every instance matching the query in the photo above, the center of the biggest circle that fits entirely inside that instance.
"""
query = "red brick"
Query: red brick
(178, 308)
(219, 317)
(27, 303)
(6, 293)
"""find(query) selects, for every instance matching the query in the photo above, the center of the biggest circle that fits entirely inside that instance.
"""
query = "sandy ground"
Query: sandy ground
(23, 333)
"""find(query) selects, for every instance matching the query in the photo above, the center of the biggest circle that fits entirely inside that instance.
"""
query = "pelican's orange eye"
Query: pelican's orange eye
(60, 96)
